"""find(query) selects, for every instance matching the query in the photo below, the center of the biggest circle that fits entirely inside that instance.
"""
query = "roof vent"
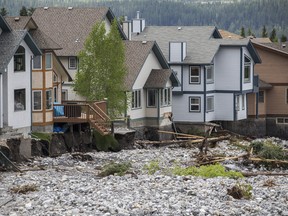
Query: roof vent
(70, 8)
(283, 45)
(46, 8)
(144, 42)
(179, 28)
(17, 18)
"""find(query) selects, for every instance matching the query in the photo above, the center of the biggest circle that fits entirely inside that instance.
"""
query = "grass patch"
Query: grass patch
(268, 150)
(115, 169)
(42, 136)
(105, 142)
(210, 171)
(24, 189)
(152, 167)
(240, 191)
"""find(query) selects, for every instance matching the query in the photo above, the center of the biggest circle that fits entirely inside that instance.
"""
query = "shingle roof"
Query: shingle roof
(68, 27)
(43, 40)
(21, 22)
(201, 46)
(264, 85)
(9, 42)
(229, 35)
(158, 78)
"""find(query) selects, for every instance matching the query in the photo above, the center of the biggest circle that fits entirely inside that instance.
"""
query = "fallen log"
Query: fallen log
(246, 174)
(269, 160)
(6, 162)
(213, 139)
(181, 134)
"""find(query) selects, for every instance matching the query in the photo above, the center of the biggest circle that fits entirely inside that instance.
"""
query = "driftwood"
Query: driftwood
(7, 162)
(3, 204)
(246, 174)
(181, 134)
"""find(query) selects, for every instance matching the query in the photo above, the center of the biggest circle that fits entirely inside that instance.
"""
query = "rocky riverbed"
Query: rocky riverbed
(69, 186)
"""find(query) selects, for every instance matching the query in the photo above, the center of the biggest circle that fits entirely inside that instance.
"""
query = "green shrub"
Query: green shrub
(268, 150)
(152, 167)
(209, 171)
(42, 136)
(240, 191)
(115, 168)
(105, 142)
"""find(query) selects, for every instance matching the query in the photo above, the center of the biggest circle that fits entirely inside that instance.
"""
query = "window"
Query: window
(282, 120)
(243, 102)
(209, 74)
(55, 91)
(48, 61)
(261, 97)
(49, 99)
(19, 100)
(64, 94)
(237, 105)
(136, 99)
(194, 104)
(37, 100)
(247, 70)
(210, 104)
(165, 97)
(55, 78)
(194, 75)
(19, 59)
(37, 62)
(287, 96)
(151, 97)
(72, 63)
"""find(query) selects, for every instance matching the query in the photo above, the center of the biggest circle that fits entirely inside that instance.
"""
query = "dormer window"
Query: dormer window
(247, 70)
(19, 59)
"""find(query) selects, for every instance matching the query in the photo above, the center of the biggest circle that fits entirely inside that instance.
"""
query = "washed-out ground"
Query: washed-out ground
(68, 186)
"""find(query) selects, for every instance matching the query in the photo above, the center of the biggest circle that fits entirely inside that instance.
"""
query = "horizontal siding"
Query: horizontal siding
(276, 100)
(192, 87)
(177, 70)
(224, 107)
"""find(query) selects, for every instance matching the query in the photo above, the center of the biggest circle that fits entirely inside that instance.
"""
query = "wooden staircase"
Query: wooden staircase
(100, 120)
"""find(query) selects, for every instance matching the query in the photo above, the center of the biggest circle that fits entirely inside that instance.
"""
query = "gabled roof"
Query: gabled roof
(136, 53)
(278, 48)
(229, 35)
(21, 22)
(158, 78)
(69, 27)
(43, 40)
(9, 43)
(4, 25)
(196, 37)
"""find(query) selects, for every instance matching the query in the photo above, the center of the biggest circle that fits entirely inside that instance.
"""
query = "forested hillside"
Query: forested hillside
(230, 15)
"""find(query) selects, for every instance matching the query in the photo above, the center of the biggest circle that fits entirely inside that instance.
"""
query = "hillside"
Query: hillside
(228, 14)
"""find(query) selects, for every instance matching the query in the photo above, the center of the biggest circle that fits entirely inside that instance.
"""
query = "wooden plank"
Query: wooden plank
(188, 135)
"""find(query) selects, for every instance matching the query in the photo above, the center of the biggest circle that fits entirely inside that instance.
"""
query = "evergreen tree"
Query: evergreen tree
(264, 32)
(3, 11)
(23, 11)
(242, 32)
(102, 68)
(273, 36)
(30, 11)
(249, 33)
(283, 38)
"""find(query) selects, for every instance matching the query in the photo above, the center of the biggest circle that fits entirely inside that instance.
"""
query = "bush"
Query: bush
(240, 191)
(105, 143)
(209, 171)
(115, 168)
(152, 167)
(268, 150)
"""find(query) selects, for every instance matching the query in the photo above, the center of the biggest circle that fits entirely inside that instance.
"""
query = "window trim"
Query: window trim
(155, 94)
(285, 120)
(165, 97)
(212, 109)
(47, 68)
(22, 56)
(210, 81)
(40, 56)
(263, 97)
(247, 64)
(243, 102)
(69, 65)
(199, 76)
(237, 103)
(16, 110)
(199, 104)
(55, 96)
(136, 98)
(46, 100)
(41, 97)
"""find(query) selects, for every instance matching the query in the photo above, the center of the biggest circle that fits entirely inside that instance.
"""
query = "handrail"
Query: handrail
(103, 113)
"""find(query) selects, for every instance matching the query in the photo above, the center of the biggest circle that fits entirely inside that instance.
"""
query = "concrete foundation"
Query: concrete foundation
(276, 130)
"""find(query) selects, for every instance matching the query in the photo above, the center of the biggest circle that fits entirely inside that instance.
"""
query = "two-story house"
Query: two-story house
(69, 27)
(17, 49)
(48, 73)
(216, 74)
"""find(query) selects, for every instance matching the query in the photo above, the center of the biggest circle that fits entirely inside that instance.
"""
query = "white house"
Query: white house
(17, 49)
(149, 83)
(215, 74)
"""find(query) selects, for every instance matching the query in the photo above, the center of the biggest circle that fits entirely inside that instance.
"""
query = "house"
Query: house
(17, 49)
(149, 82)
(216, 74)
(48, 73)
(271, 103)
(69, 27)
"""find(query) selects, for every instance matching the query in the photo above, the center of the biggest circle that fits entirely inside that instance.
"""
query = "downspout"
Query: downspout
(31, 95)
(257, 104)
(158, 107)
(1, 102)
(204, 111)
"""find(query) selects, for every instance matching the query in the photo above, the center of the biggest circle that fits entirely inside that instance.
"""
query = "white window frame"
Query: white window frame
(284, 120)
(195, 104)
(69, 62)
(210, 69)
(165, 97)
(195, 76)
(40, 57)
(136, 99)
(243, 102)
(17, 101)
(33, 100)
(46, 57)
(247, 65)
(211, 99)
(48, 101)
(154, 93)
(237, 102)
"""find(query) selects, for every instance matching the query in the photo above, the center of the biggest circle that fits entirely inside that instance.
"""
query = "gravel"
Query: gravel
(67, 186)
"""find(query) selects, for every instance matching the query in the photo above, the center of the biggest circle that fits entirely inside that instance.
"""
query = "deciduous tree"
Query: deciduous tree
(102, 68)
